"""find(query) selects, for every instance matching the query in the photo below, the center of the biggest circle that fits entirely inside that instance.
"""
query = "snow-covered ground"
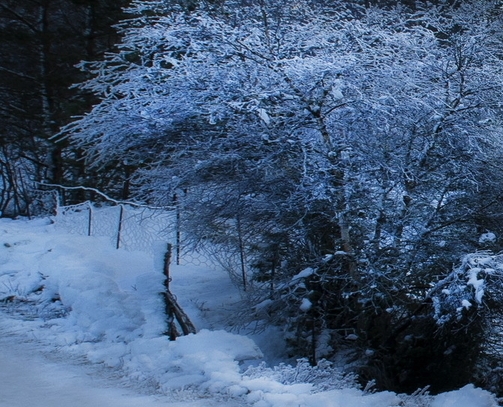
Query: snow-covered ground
(30, 376)
(81, 324)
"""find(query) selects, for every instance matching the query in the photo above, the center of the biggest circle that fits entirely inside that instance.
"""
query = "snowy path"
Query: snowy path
(28, 378)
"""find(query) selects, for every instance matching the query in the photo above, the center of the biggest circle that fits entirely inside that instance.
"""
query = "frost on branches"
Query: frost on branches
(358, 143)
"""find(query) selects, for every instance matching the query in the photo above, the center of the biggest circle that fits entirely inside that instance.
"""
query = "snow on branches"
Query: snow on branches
(296, 131)
(467, 286)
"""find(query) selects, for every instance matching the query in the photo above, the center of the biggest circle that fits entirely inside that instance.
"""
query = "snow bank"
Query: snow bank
(105, 304)
(468, 396)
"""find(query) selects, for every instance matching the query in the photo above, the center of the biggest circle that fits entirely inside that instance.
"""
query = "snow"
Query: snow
(305, 305)
(466, 304)
(478, 284)
(264, 116)
(81, 324)
(304, 273)
(337, 94)
(465, 397)
(487, 237)
(29, 378)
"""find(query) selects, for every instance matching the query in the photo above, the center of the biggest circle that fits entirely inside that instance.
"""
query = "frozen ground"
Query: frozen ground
(81, 325)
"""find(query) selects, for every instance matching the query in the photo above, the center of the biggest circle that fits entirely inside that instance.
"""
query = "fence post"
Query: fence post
(241, 250)
(167, 261)
(90, 220)
(177, 226)
(119, 230)
(171, 330)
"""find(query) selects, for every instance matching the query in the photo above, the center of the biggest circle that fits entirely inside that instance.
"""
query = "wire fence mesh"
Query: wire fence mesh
(132, 229)
(127, 227)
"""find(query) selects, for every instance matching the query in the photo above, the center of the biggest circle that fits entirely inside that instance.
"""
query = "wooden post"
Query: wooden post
(178, 235)
(173, 310)
(167, 261)
(241, 251)
(171, 330)
(90, 220)
(62, 196)
(119, 229)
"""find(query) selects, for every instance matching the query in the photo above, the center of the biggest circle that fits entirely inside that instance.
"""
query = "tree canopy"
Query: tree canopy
(341, 157)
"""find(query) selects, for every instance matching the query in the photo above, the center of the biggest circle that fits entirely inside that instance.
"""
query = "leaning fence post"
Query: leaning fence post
(119, 229)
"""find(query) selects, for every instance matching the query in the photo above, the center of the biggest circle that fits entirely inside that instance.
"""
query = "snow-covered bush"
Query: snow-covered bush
(466, 286)
(323, 376)
(471, 297)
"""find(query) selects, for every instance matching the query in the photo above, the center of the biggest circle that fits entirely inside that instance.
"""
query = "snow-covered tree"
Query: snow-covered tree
(360, 144)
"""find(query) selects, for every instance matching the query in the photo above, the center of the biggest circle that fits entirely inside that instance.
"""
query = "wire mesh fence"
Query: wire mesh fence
(126, 227)
(140, 228)
(133, 229)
